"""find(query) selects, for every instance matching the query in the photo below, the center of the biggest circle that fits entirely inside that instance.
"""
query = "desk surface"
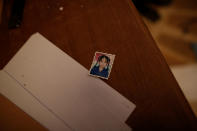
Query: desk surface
(139, 72)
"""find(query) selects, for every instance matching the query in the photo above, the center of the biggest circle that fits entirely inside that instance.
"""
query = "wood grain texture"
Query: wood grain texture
(139, 72)
(13, 119)
(1, 8)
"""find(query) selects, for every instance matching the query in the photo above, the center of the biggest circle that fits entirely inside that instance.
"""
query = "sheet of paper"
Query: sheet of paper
(11, 89)
(63, 85)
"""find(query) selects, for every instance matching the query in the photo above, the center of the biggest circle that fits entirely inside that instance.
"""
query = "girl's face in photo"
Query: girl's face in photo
(103, 63)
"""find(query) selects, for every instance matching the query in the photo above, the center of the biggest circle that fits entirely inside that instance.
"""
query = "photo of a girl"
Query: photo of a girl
(101, 65)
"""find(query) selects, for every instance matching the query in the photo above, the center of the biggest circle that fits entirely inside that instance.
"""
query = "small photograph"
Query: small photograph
(102, 65)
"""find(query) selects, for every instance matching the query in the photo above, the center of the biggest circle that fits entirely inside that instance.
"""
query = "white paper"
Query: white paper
(64, 86)
(11, 89)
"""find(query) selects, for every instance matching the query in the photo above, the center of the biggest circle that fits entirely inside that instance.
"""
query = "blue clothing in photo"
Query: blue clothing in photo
(95, 71)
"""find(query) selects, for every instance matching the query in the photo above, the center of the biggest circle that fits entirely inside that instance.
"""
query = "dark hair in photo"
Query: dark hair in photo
(103, 56)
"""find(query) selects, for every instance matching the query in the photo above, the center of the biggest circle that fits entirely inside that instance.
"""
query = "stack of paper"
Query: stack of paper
(58, 92)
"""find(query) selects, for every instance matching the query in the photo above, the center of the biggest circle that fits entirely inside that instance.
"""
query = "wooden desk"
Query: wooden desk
(140, 72)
